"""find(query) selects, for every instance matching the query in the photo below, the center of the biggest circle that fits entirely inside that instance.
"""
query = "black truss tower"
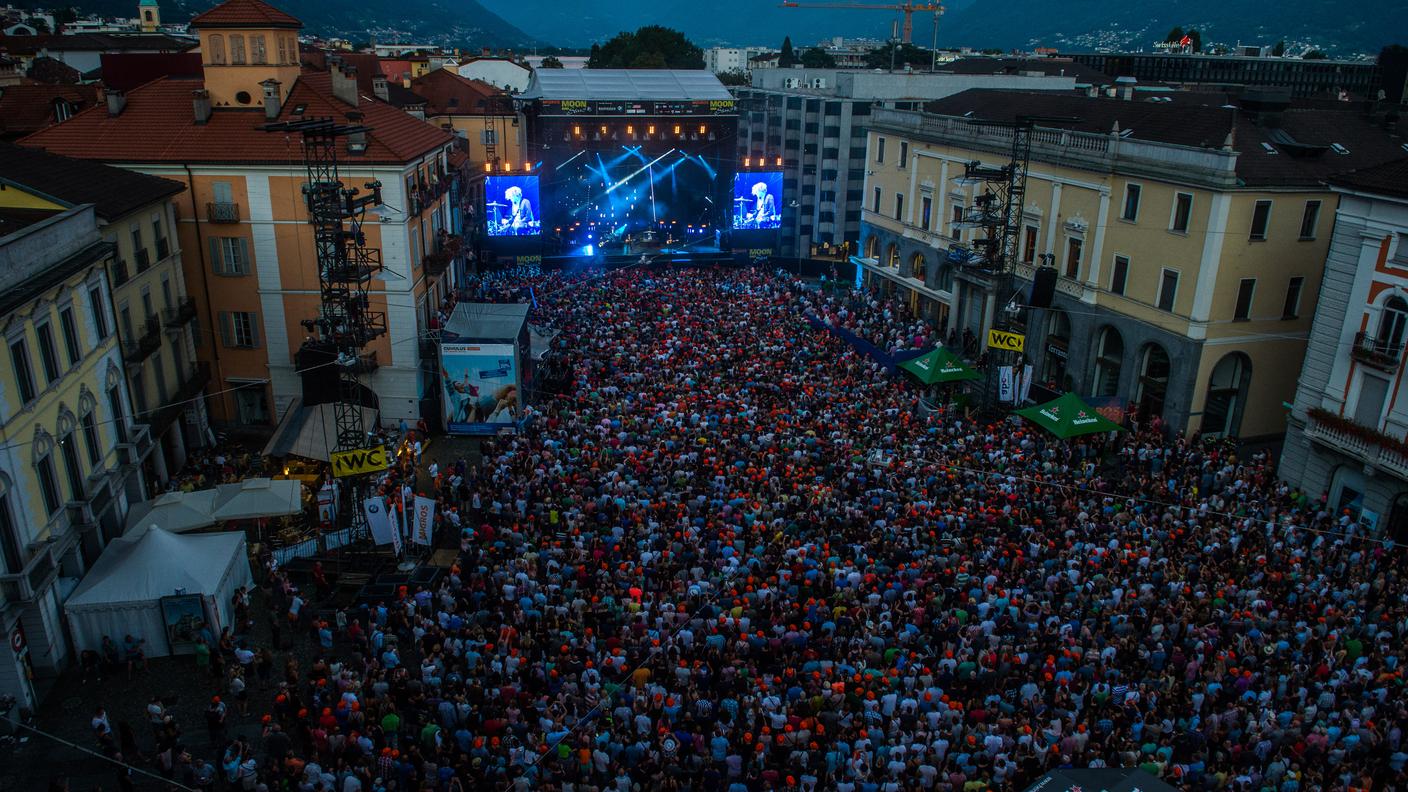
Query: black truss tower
(345, 323)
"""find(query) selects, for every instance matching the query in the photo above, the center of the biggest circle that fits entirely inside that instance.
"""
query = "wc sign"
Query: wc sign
(359, 461)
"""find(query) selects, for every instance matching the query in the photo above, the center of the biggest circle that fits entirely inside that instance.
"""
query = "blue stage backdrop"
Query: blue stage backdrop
(757, 200)
(511, 206)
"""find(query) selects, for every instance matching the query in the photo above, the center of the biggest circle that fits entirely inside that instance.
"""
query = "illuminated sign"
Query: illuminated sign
(1012, 342)
(362, 460)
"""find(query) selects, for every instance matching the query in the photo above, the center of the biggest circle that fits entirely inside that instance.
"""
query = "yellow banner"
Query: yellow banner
(362, 460)
(1012, 342)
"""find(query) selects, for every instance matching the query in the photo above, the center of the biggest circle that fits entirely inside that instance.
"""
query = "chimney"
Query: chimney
(117, 101)
(344, 82)
(356, 141)
(1126, 87)
(272, 100)
(380, 88)
(200, 102)
(1093, 91)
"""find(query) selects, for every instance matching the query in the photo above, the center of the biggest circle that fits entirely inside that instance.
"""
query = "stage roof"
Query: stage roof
(625, 84)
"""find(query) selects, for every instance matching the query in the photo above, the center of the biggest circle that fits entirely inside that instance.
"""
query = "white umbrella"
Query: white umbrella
(175, 511)
(259, 497)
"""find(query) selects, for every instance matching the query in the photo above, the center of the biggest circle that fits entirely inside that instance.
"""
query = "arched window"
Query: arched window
(217, 50)
(88, 420)
(42, 454)
(872, 248)
(236, 49)
(1393, 322)
(12, 555)
(945, 278)
(148, 15)
(1227, 394)
(1109, 359)
(1153, 382)
(1057, 352)
(892, 258)
(917, 266)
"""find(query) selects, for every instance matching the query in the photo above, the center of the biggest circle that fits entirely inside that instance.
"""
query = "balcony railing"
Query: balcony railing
(150, 341)
(1370, 446)
(181, 315)
(193, 383)
(221, 212)
(1371, 351)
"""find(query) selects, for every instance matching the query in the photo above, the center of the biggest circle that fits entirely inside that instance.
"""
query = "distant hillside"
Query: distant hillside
(447, 22)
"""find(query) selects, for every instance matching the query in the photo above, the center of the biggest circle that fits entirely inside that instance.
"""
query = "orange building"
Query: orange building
(250, 260)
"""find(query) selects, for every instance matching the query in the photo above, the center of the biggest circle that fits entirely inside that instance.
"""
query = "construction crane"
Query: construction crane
(908, 8)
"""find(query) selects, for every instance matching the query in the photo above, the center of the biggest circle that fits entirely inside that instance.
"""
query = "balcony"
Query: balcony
(1371, 446)
(192, 384)
(135, 442)
(1371, 351)
(222, 212)
(143, 347)
(39, 572)
(181, 315)
(144, 260)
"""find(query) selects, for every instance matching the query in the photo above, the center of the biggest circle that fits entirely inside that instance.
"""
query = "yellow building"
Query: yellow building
(66, 431)
(155, 315)
(481, 116)
(1188, 235)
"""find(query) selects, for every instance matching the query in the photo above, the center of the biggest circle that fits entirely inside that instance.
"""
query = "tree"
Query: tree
(818, 58)
(1279, 49)
(1197, 39)
(40, 25)
(1174, 36)
(651, 47)
(1393, 61)
(1316, 54)
(904, 55)
(736, 77)
(550, 62)
(788, 58)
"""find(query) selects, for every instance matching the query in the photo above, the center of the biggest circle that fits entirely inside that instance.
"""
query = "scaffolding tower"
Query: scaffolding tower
(345, 323)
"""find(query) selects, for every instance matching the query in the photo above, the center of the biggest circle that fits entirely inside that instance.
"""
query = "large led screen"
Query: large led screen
(481, 386)
(511, 206)
(757, 200)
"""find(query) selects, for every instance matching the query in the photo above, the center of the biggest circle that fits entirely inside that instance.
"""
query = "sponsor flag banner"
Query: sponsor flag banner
(1005, 386)
(378, 521)
(423, 521)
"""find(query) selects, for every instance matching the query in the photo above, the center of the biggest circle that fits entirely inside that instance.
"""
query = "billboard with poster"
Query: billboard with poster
(511, 206)
(757, 200)
(481, 387)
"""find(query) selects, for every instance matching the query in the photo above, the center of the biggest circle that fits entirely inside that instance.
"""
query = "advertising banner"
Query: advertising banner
(423, 521)
(379, 522)
(360, 460)
(481, 387)
(1005, 385)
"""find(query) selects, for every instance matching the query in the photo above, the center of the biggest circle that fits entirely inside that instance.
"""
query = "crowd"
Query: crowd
(690, 573)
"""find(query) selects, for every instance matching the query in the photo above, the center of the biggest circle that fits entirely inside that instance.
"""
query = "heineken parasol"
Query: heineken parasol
(939, 366)
(1067, 416)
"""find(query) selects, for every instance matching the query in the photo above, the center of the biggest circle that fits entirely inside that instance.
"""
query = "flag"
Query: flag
(422, 521)
(379, 522)
(1026, 388)
(1005, 385)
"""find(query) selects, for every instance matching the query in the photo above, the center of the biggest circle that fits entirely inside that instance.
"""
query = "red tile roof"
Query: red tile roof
(29, 108)
(158, 125)
(447, 93)
(244, 13)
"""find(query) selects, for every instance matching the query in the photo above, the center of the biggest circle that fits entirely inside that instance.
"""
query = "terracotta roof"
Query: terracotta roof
(1387, 179)
(25, 109)
(114, 192)
(119, 42)
(23, 46)
(447, 93)
(52, 71)
(158, 125)
(244, 13)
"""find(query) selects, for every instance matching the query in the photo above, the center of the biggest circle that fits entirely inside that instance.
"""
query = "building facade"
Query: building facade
(814, 121)
(66, 431)
(242, 220)
(720, 60)
(1303, 78)
(1345, 441)
(1188, 240)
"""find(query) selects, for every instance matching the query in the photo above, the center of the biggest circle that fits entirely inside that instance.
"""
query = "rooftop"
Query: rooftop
(244, 14)
(445, 93)
(118, 42)
(12, 220)
(1389, 179)
(625, 84)
(25, 109)
(114, 192)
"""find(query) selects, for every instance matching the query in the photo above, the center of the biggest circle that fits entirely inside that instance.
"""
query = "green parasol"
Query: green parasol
(939, 366)
(1067, 416)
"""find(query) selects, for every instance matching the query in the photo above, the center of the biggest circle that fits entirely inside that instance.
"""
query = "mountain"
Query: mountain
(444, 22)
(1365, 26)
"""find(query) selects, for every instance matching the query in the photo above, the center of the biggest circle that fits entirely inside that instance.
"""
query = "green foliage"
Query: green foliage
(904, 54)
(1279, 49)
(550, 62)
(788, 58)
(735, 77)
(651, 47)
(1174, 36)
(1316, 54)
(1197, 40)
(818, 58)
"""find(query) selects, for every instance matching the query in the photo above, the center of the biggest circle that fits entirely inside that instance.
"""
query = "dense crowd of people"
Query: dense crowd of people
(731, 557)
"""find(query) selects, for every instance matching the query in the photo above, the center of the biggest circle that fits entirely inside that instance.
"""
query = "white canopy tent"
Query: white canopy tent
(256, 498)
(122, 593)
(176, 512)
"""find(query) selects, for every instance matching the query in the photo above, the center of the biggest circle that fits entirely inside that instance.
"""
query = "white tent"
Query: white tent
(122, 593)
(176, 512)
(258, 497)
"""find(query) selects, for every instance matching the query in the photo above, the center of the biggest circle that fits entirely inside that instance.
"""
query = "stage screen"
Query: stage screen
(757, 200)
(511, 206)
(481, 387)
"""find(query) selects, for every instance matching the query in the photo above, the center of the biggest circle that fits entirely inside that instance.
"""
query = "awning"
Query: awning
(257, 498)
(1068, 416)
(1101, 779)
(311, 432)
(939, 365)
(175, 512)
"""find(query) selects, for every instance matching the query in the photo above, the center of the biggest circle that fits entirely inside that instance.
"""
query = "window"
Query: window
(1119, 274)
(119, 416)
(24, 372)
(229, 256)
(1291, 309)
(48, 354)
(239, 329)
(1168, 289)
(90, 437)
(926, 206)
(1244, 299)
(73, 470)
(1029, 244)
(217, 49)
(1182, 212)
(236, 49)
(918, 266)
(957, 218)
(11, 557)
(70, 331)
(1227, 387)
(1309, 219)
(1109, 360)
(1261, 218)
(880, 150)
(1153, 382)
(1393, 324)
(139, 250)
(876, 207)
(904, 153)
(48, 484)
(489, 137)
(899, 206)
(163, 249)
(100, 311)
(1131, 203)
(139, 394)
(1073, 251)
(283, 49)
